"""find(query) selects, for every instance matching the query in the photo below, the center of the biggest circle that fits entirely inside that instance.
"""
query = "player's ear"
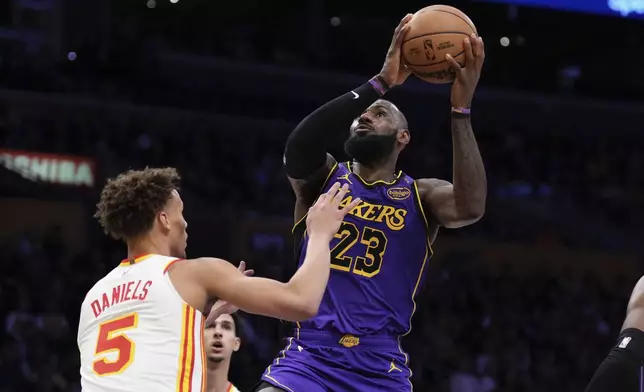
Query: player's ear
(164, 220)
(403, 137)
(237, 344)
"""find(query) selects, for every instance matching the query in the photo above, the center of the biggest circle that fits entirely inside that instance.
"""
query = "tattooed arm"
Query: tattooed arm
(462, 203)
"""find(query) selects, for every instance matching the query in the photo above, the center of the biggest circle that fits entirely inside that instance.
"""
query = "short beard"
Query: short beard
(370, 150)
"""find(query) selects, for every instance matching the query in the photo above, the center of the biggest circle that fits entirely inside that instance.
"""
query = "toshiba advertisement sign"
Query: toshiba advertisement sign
(52, 168)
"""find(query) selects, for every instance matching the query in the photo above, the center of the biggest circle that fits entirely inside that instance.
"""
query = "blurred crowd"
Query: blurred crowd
(551, 179)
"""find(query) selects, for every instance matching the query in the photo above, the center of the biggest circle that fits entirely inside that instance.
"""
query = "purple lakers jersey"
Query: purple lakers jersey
(378, 258)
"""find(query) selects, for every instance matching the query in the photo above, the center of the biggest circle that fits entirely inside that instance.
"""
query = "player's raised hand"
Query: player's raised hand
(394, 72)
(222, 307)
(467, 77)
(325, 216)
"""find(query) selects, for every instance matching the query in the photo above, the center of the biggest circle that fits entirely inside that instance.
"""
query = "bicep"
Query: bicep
(255, 295)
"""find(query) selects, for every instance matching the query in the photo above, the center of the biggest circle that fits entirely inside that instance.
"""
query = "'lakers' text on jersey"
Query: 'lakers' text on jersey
(137, 334)
(378, 257)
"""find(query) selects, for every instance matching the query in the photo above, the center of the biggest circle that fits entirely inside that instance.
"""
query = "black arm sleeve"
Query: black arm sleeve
(306, 146)
(622, 368)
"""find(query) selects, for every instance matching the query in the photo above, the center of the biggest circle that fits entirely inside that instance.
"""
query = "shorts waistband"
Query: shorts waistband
(336, 339)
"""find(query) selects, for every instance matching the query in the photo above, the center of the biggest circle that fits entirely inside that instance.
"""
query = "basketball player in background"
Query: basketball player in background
(622, 369)
(222, 340)
(141, 326)
(380, 254)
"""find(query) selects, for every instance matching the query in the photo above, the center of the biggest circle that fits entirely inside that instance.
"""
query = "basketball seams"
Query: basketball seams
(436, 33)
(429, 65)
(458, 16)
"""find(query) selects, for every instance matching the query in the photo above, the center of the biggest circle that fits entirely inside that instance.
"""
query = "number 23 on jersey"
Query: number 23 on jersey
(112, 339)
(368, 265)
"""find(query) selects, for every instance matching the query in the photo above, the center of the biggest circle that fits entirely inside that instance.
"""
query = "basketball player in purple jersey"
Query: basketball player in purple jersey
(379, 255)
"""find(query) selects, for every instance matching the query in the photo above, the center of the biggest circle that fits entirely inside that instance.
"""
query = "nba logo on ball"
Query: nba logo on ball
(429, 50)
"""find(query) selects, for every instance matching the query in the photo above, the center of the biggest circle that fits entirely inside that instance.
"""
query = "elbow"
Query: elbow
(474, 209)
(301, 309)
(309, 310)
(475, 212)
(466, 216)
(304, 311)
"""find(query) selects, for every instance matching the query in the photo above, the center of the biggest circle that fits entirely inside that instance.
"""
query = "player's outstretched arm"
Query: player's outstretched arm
(621, 370)
(305, 155)
(462, 203)
(300, 297)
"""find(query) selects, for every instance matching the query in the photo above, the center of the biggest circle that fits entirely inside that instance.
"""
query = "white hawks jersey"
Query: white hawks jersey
(232, 388)
(137, 334)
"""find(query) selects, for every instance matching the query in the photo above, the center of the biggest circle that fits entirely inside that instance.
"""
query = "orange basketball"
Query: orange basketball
(433, 32)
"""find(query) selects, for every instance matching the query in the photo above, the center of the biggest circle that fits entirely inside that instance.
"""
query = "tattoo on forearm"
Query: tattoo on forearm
(470, 183)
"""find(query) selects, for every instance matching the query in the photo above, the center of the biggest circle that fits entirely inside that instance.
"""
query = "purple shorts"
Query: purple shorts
(320, 361)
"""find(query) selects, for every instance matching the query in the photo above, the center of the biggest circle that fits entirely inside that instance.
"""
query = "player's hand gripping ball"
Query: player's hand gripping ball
(433, 35)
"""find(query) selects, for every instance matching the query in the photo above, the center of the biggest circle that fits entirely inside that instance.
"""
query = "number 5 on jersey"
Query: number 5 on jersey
(368, 266)
(111, 339)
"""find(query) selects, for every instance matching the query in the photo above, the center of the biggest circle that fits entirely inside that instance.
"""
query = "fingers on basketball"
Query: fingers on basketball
(249, 272)
(453, 63)
(469, 52)
(400, 31)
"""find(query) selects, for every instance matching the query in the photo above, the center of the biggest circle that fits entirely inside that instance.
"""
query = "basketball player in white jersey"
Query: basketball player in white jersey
(222, 341)
(141, 326)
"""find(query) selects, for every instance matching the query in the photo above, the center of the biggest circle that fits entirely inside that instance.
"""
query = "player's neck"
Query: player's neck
(380, 172)
(218, 376)
(146, 245)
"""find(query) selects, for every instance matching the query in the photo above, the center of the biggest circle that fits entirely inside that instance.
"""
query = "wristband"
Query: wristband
(379, 85)
(462, 111)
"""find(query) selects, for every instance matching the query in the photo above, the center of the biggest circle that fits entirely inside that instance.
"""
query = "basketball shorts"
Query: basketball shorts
(320, 361)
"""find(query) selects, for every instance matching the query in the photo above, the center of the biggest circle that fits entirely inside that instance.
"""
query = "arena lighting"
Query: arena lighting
(626, 7)
(619, 8)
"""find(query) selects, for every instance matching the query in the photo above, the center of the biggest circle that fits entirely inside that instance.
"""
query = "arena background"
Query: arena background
(529, 299)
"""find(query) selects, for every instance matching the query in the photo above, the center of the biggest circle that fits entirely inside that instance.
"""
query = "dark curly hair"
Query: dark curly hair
(130, 202)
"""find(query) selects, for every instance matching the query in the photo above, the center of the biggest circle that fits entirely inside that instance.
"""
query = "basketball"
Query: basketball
(435, 31)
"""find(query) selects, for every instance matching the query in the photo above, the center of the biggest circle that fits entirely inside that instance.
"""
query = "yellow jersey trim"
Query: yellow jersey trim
(377, 182)
(204, 365)
(187, 352)
(422, 212)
